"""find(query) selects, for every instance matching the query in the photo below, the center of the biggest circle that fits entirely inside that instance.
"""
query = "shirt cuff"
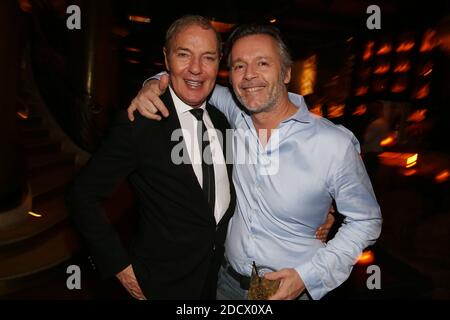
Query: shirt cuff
(312, 280)
(155, 77)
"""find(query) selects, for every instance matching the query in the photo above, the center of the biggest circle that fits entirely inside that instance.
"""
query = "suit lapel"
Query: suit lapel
(172, 123)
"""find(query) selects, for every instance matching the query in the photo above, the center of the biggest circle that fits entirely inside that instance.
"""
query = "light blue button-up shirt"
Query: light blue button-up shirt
(284, 191)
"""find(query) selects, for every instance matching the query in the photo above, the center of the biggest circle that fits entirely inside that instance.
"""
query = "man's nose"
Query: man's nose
(195, 66)
(249, 73)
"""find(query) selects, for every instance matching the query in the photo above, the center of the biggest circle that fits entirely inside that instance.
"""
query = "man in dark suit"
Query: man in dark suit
(184, 208)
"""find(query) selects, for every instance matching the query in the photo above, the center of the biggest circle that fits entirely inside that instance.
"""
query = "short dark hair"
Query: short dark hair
(186, 21)
(254, 29)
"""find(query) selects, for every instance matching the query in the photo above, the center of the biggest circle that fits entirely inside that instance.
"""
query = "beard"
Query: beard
(273, 97)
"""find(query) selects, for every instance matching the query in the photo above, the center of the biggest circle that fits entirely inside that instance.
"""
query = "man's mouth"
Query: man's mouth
(253, 89)
(193, 84)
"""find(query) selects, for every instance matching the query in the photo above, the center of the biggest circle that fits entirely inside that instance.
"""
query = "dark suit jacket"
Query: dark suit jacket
(176, 249)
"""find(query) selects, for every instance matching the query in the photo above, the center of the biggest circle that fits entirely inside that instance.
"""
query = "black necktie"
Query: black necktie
(207, 163)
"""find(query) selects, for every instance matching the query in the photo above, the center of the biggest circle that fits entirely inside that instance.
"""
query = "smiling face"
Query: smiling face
(192, 60)
(256, 72)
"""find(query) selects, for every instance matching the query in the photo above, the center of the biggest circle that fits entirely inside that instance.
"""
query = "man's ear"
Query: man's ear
(287, 76)
(165, 58)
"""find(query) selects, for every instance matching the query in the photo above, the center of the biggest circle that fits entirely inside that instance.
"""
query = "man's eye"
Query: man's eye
(182, 54)
(211, 58)
(238, 67)
(263, 63)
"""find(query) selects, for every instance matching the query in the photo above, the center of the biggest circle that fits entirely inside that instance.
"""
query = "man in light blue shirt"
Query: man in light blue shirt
(289, 165)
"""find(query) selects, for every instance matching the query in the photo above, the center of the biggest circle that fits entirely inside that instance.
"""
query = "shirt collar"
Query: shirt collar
(180, 106)
(302, 115)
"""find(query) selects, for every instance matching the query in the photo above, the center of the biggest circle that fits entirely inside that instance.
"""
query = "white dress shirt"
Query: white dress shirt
(189, 126)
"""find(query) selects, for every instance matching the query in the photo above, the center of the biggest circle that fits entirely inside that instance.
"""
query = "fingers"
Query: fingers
(136, 292)
(149, 111)
(163, 82)
(276, 275)
(159, 105)
(322, 233)
(131, 110)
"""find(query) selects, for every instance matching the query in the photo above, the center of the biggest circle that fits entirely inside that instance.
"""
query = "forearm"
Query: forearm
(108, 167)
(331, 265)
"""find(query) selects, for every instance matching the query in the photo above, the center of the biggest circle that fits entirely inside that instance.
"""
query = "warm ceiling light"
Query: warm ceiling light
(397, 159)
(222, 26)
(37, 215)
(273, 20)
(411, 161)
(139, 19)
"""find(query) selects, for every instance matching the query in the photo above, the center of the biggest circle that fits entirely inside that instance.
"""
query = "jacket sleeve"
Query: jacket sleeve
(109, 166)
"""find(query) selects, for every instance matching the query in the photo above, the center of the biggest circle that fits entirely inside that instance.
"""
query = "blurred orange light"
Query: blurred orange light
(402, 67)
(133, 61)
(139, 19)
(222, 74)
(222, 26)
(411, 161)
(388, 141)
(423, 92)
(409, 172)
(398, 87)
(368, 50)
(398, 159)
(26, 6)
(317, 110)
(418, 115)
(405, 46)
(361, 91)
(36, 215)
(360, 110)
(428, 41)
(382, 68)
(273, 20)
(385, 49)
(133, 49)
(367, 257)
(336, 111)
(428, 72)
(442, 176)
(22, 115)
